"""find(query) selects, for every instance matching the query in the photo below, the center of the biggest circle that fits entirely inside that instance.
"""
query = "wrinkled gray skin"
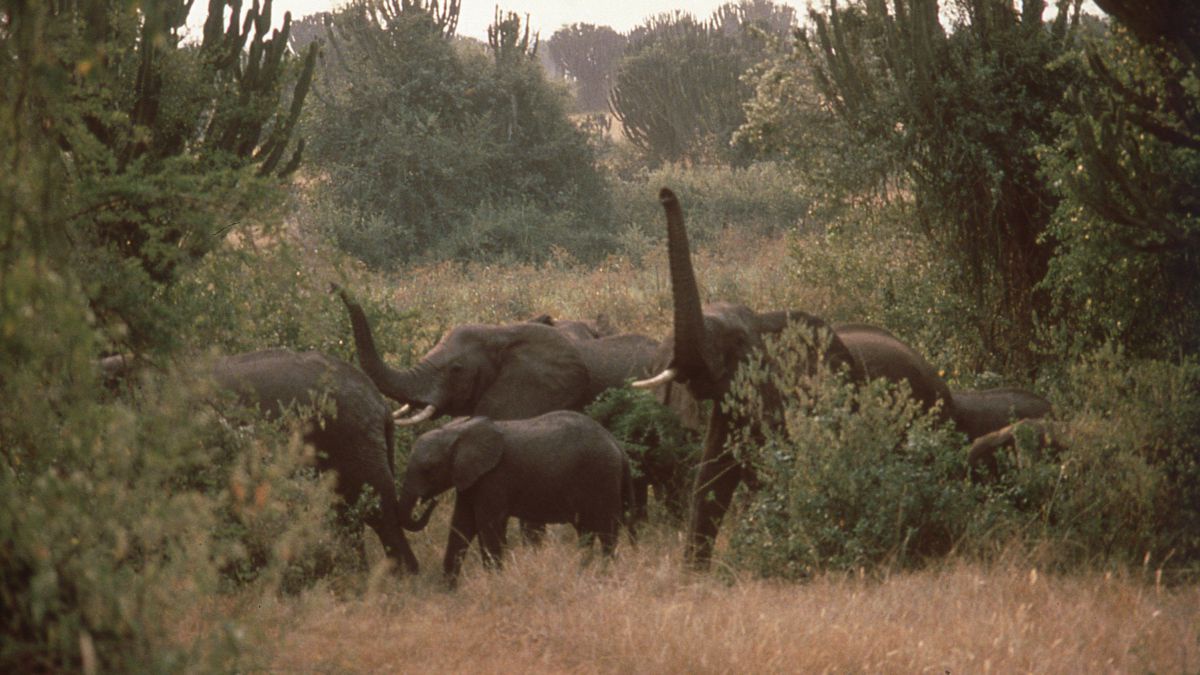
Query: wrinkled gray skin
(504, 372)
(355, 440)
(561, 467)
(983, 458)
(980, 412)
(710, 343)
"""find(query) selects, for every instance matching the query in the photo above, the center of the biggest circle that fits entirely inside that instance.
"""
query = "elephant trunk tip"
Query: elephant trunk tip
(667, 197)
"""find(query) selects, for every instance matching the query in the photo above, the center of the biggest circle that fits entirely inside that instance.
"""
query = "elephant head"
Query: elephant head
(454, 456)
(502, 372)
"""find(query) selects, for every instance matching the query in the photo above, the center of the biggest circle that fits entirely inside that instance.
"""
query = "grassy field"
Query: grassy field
(545, 612)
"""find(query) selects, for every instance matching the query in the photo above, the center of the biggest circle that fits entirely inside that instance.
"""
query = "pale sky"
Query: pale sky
(545, 16)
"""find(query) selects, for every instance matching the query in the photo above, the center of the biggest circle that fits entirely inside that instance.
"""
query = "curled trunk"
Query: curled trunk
(411, 521)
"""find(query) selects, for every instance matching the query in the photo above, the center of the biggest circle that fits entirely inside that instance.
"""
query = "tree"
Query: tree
(960, 114)
(1127, 264)
(588, 56)
(161, 146)
(416, 137)
(679, 90)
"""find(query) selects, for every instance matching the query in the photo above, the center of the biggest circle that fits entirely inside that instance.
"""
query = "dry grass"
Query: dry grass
(545, 612)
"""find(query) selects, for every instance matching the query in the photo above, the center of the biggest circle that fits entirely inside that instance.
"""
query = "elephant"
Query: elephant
(503, 372)
(355, 439)
(710, 343)
(560, 467)
(980, 412)
(982, 459)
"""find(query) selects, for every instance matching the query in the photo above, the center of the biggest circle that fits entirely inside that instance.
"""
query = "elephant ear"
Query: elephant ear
(477, 450)
(538, 370)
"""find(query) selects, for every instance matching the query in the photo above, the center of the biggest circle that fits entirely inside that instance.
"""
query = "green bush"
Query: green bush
(846, 476)
(662, 452)
(418, 139)
(120, 513)
(1130, 471)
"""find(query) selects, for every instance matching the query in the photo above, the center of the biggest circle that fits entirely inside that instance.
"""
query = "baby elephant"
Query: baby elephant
(561, 467)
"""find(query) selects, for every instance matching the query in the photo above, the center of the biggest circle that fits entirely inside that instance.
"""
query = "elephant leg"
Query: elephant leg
(718, 477)
(491, 539)
(462, 531)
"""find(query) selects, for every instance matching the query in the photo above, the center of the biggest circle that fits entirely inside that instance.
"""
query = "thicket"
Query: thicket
(428, 148)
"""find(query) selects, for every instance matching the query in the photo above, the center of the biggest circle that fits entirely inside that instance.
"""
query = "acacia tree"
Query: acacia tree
(588, 56)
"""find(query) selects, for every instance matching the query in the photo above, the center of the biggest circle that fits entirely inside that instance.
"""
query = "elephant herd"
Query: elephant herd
(519, 445)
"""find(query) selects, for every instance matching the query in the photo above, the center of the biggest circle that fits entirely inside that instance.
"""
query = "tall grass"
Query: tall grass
(545, 613)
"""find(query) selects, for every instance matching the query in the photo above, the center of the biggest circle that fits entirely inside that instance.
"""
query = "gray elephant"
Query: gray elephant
(980, 412)
(503, 372)
(354, 439)
(561, 467)
(710, 343)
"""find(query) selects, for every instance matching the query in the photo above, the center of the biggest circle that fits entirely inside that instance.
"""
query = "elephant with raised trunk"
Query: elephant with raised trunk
(354, 438)
(503, 372)
(710, 343)
(561, 467)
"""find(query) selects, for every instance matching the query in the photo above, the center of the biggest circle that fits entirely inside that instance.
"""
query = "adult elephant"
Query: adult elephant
(353, 437)
(983, 411)
(710, 343)
(561, 467)
(503, 372)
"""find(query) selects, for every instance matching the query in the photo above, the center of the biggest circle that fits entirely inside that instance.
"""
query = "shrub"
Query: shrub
(846, 476)
(119, 513)
(663, 453)
(1131, 470)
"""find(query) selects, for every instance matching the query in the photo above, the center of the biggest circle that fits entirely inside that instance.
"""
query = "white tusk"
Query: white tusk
(419, 417)
(400, 412)
(661, 378)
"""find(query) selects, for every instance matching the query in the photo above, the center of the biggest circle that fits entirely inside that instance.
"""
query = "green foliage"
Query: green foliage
(1127, 262)
(957, 112)
(413, 136)
(118, 515)
(160, 146)
(661, 450)
(588, 56)
(678, 91)
(847, 476)
(1131, 470)
(874, 271)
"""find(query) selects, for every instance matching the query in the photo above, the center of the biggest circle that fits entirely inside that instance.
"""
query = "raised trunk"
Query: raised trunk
(400, 385)
(691, 349)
